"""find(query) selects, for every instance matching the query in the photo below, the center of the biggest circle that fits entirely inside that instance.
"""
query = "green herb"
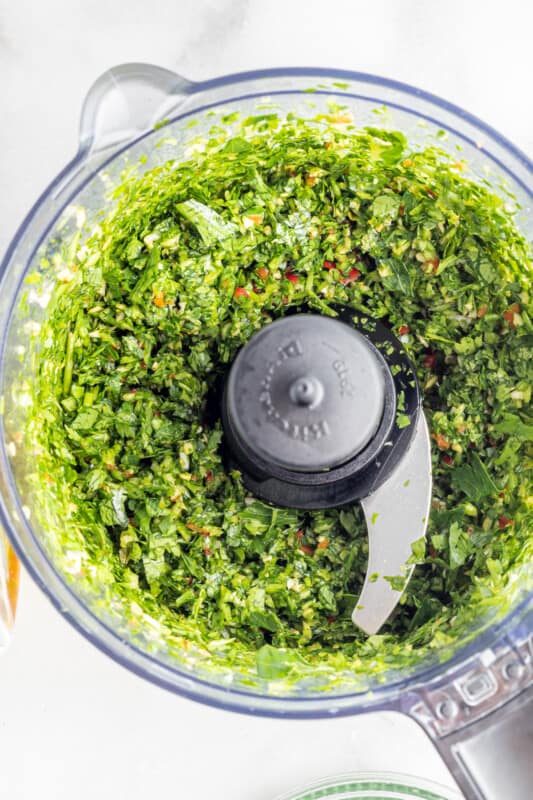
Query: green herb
(207, 222)
(513, 425)
(460, 546)
(188, 261)
(473, 480)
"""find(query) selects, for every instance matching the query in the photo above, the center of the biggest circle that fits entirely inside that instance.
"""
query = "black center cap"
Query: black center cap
(310, 409)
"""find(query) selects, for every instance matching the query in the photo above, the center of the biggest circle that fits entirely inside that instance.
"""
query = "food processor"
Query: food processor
(473, 697)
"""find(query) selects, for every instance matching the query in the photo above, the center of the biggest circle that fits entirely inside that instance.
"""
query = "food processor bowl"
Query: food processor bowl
(472, 694)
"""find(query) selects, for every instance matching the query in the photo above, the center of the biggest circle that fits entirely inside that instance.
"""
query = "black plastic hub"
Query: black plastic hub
(317, 411)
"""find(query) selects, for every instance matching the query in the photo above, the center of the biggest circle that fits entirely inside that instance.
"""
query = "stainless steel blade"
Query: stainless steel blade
(396, 516)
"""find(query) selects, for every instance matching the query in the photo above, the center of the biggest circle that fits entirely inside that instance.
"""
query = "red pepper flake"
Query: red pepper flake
(482, 310)
(256, 289)
(432, 552)
(255, 219)
(157, 413)
(429, 360)
(159, 300)
(188, 581)
(431, 265)
(448, 460)
(292, 277)
(262, 272)
(197, 528)
(330, 265)
(240, 292)
(330, 620)
(307, 549)
(207, 551)
(403, 329)
(299, 535)
(509, 315)
(352, 276)
(209, 476)
(442, 441)
(505, 522)
(431, 194)
(401, 211)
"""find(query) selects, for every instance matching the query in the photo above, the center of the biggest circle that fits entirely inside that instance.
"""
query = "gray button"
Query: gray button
(447, 708)
(513, 670)
(477, 688)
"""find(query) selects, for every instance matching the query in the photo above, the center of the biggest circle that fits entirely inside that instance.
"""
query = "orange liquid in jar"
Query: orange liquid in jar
(9, 582)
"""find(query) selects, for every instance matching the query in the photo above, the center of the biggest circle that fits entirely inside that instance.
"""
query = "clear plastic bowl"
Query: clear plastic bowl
(117, 129)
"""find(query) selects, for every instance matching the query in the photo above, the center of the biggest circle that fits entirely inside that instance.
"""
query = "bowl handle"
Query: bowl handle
(493, 757)
(480, 717)
(126, 101)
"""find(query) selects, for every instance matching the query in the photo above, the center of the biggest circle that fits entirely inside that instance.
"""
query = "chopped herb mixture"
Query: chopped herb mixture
(193, 258)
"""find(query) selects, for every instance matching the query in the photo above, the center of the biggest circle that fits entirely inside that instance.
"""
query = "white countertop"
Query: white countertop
(74, 725)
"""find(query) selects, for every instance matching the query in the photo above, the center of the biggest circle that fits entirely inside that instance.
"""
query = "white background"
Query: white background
(73, 725)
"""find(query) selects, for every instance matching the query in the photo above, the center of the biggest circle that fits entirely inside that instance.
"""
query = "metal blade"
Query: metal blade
(396, 516)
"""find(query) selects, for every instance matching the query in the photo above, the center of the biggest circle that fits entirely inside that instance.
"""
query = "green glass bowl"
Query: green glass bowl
(373, 786)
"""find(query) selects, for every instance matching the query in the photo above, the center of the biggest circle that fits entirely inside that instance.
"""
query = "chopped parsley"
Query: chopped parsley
(192, 258)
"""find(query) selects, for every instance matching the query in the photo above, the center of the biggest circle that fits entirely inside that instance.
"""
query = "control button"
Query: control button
(478, 687)
(447, 709)
(513, 670)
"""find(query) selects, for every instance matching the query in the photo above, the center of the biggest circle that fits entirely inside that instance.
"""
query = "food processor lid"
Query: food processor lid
(307, 393)
(318, 411)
